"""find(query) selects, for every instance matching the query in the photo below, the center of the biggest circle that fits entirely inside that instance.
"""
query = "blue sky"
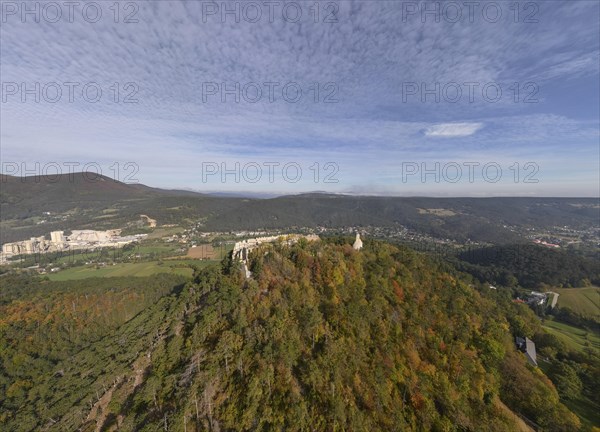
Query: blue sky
(380, 65)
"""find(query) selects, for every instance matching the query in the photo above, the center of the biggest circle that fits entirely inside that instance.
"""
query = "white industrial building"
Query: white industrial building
(57, 237)
(78, 239)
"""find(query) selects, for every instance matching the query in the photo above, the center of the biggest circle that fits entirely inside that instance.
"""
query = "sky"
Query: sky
(359, 97)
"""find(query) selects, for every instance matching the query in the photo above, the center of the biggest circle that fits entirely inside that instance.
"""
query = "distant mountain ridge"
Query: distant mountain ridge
(79, 183)
(105, 202)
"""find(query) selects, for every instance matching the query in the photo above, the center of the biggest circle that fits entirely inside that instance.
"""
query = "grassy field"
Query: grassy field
(157, 248)
(575, 338)
(585, 301)
(586, 410)
(126, 269)
(160, 232)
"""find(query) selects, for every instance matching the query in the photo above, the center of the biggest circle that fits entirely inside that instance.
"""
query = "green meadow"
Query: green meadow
(584, 301)
(129, 269)
(575, 338)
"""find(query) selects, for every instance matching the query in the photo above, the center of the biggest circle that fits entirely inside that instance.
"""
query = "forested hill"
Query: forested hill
(87, 201)
(322, 338)
(530, 266)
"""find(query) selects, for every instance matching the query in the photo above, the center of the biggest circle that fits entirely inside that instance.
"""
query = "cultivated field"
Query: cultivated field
(208, 252)
(203, 252)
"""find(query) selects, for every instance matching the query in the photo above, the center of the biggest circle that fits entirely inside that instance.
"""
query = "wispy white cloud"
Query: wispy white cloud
(453, 130)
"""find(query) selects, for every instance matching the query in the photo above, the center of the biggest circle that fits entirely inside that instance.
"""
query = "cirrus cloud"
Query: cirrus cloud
(453, 130)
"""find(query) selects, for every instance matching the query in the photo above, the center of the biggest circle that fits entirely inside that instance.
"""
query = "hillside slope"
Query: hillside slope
(87, 201)
(323, 338)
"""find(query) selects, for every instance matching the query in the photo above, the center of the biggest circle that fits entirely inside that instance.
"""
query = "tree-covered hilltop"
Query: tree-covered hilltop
(321, 338)
(530, 266)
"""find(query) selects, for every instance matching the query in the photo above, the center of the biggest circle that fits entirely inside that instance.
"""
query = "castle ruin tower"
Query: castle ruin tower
(358, 244)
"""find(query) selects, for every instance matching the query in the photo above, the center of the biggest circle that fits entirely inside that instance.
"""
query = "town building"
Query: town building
(77, 240)
(527, 346)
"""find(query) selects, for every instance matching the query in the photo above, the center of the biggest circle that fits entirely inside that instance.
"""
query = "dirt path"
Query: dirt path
(151, 222)
(98, 413)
